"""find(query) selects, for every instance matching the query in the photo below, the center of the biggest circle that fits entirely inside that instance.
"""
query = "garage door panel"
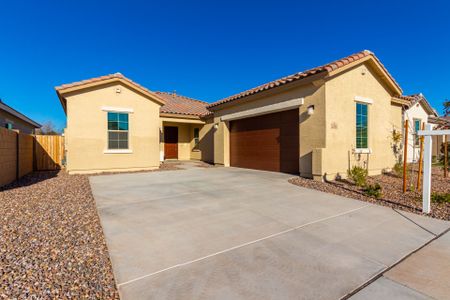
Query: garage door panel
(269, 142)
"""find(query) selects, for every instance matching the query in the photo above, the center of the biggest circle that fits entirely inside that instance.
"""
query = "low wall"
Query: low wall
(8, 156)
(16, 155)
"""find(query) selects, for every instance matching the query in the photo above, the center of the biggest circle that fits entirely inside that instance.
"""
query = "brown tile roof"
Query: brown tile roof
(182, 105)
(442, 122)
(300, 75)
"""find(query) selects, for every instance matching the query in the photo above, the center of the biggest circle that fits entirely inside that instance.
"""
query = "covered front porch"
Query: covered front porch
(180, 138)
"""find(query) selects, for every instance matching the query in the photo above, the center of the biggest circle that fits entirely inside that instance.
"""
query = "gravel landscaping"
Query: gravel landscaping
(392, 195)
(51, 242)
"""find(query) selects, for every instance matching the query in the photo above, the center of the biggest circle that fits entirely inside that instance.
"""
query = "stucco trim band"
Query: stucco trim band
(263, 110)
(363, 100)
(118, 151)
(117, 109)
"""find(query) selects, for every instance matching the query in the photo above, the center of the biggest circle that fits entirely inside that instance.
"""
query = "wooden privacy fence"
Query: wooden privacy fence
(48, 152)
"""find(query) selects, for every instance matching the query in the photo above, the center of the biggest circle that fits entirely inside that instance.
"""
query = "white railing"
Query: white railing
(426, 190)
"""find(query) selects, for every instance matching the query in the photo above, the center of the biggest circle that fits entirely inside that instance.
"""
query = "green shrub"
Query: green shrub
(373, 190)
(358, 175)
(440, 198)
(398, 169)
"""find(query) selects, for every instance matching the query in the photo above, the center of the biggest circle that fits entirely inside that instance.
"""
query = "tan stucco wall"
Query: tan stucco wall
(18, 124)
(383, 117)
(312, 129)
(207, 141)
(86, 131)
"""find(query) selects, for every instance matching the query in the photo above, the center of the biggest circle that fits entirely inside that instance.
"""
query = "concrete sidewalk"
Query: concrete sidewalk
(423, 275)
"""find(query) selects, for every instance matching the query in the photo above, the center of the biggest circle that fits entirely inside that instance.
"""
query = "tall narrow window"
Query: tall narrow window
(417, 124)
(361, 126)
(196, 138)
(117, 130)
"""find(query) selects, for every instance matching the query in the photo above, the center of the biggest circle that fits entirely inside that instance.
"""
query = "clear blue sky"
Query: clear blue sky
(209, 49)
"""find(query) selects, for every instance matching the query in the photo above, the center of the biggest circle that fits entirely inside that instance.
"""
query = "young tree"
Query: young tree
(48, 128)
(447, 108)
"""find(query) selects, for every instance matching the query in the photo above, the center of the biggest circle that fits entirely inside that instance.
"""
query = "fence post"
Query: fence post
(445, 156)
(426, 192)
(405, 155)
(420, 159)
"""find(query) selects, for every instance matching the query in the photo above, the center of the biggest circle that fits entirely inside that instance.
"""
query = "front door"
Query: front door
(170, 142)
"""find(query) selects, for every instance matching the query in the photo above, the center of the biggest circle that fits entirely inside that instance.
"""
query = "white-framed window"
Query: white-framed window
(118, 131)
(362, 128)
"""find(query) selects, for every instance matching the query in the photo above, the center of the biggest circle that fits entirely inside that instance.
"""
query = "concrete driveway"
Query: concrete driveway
(227, 233)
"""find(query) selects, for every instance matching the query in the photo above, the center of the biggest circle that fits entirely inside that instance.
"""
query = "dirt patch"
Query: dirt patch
(392, 194)
(51, 242)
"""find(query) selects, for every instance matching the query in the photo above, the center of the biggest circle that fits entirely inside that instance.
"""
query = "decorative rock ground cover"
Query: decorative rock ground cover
(392, 194)
(51, 242)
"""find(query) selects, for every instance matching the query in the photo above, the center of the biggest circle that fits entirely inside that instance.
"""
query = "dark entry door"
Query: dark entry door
(170, 142)
(269, 142)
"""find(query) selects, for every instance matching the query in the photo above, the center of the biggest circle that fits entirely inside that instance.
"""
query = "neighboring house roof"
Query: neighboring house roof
(328, 68)
(442, 122)
(420, 98)
(12, 111)
(80, 85)
(182, 105)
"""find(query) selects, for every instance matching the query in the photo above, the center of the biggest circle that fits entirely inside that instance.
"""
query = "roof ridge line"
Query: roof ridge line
(176, 94)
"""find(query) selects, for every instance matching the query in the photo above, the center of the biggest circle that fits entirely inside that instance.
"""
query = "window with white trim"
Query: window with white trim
(117, 131)
(361, 126)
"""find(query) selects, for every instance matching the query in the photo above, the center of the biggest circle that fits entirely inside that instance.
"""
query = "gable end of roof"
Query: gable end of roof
(327, 68)
(80, 85)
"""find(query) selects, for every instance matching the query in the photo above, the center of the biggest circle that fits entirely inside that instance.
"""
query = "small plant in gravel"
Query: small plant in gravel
(358, 175)
(373, 190)
(398, 169)
(440, 197)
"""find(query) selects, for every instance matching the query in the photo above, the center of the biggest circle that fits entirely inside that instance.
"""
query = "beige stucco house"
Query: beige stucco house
(316, 123)
(114, 124)
(417, 113)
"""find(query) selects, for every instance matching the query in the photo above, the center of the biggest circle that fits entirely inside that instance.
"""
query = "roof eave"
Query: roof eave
(383, 73)
(303, 81)
(178, 115)
(77, 88)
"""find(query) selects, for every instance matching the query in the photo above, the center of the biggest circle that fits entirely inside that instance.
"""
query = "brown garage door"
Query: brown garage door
(268, 142)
